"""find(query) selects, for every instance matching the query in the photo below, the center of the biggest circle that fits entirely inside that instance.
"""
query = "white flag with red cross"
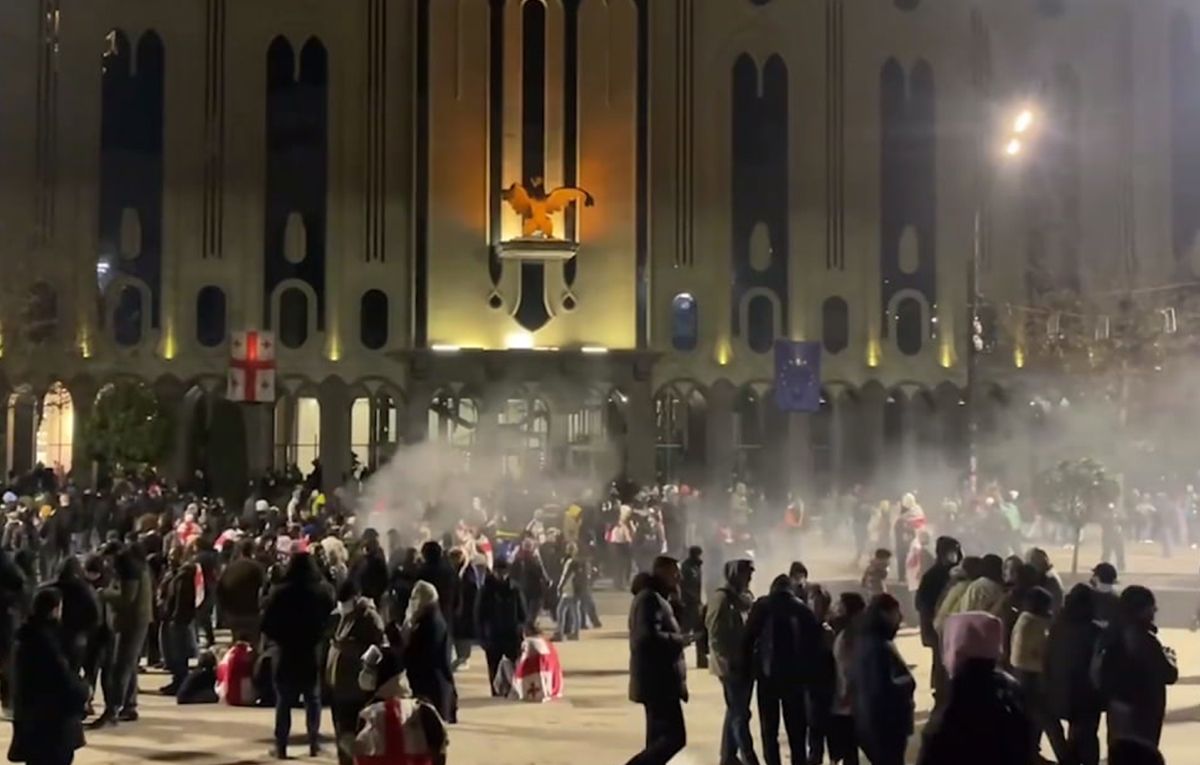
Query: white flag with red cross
(252, 367)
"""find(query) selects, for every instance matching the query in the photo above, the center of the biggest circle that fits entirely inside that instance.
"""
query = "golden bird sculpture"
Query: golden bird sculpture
(535, 206)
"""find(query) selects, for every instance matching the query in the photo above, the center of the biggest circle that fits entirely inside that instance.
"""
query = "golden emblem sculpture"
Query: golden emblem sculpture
(535, 206)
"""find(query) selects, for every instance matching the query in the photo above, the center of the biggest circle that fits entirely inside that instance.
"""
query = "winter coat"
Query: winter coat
(470, 585)
(131, 601)
(239, 587)
(784, 641)
(983, 721)
(1029, 639)
(691, 591)
(530, 575)
(296, 616)
(983, 594)
(657, 669)
(571, 582)
(438, 572)
(356, 631)
(371, 574)
(179, 599)
(396, 730)
(48, 697)
(929, 592)
(426, 659)
(1070, 692)
(725, 622)
(884, 687)
(500, 615)
(1140, 670)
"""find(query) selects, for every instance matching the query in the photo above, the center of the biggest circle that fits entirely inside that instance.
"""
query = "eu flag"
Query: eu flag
(797, 376)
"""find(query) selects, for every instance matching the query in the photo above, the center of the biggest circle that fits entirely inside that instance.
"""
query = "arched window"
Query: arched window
(760, 320)
(685, 322)
(373, 319)
(56, 429)
(293, 318)
(210, 316)
(127, 318)
(835, 324)
(910, 326)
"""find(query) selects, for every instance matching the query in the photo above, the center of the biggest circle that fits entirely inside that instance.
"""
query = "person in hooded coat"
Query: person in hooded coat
(472, 575)
(131, 599)
(1135, 670)
(1070, 693)
(657, 668)
(726, 624)
(48, 693)
(12, 596)
(369, 571)
(500, 618)
(438, 571)
(884, 687)
(425, 652)
(929, 592)
(359, 627)
(784, 643)
(983, 719)
(80, 610)
(296, 616)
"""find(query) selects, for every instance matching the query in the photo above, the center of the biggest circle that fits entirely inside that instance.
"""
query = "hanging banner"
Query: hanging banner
(252, 367)
(797, 376)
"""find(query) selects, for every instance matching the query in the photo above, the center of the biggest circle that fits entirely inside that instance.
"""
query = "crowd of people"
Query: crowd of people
(1014, 659)
(97, 583)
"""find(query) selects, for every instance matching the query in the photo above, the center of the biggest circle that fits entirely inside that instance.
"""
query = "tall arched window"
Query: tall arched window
(760, 320)
(835, 324)
(685, 322)
(910, 326)
(373, 319)
(293, 318)
(210, 316)
(127, 318)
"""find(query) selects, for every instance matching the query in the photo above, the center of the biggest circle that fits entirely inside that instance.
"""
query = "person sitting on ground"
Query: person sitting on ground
(422, 736)
(200, 687)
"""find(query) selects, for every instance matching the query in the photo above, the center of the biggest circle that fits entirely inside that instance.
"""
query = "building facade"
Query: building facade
(334, 172)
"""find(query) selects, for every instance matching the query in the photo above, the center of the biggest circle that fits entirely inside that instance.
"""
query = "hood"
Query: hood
(971, 635)
(735, 567)
(947, 545)
(782, 585)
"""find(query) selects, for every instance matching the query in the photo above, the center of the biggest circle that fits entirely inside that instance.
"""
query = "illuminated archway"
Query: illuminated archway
(56, 429)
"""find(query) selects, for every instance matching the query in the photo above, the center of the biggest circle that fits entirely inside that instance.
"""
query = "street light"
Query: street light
(1024, 121)
(1013, 147)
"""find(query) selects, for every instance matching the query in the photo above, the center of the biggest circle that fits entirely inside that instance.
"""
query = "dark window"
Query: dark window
(293, 318)
(373, 319)
(685, 323)
(835, 324)
(761, 323)
(41, 313)
(127, 319)
(210, 316)
(910, 327)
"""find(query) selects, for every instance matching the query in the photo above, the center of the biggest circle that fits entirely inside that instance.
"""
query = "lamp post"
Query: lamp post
(1016, 133)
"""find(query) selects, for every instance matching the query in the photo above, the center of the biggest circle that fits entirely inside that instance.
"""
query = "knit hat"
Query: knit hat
(971, 635)
(261, 506)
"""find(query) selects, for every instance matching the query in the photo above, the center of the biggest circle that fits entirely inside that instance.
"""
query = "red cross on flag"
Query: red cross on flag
(252, 367)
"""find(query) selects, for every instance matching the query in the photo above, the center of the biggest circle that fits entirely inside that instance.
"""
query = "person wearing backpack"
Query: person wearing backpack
(1135, 669)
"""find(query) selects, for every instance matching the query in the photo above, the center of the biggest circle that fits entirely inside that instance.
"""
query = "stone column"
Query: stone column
(170, 395)
(83, 402)
(720, 437)
(839, 438)
(335, 433)
(795, 455)
(259, 420)
(22, 427)
(5, 429)
(909, 442)
(870, 432)
(640, 436)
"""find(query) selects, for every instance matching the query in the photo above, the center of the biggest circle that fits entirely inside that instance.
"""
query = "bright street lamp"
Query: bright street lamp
(1023, 122)
(1013, 147)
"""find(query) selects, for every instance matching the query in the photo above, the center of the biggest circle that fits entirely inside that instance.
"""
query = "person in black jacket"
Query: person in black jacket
(238, 591)
(439, 572)
(657, 669)
(80, 610)
(883, 700)
(370, 570)
(48, 694)
(929, 593)
(691, 597)
(462, 627)
(178, 615)
(530, 576)
(425, 653)
(500, 617)
(1070, 694)
(783, 643)
(12, 596)
(296, 617)
(1136, 670)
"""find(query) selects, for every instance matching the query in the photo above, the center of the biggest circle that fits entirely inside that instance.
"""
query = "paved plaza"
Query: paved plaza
(593, 724)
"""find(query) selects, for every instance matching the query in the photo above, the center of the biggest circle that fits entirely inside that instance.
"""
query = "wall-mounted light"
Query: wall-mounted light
(519, 341)
(594, 349)
(443, 348)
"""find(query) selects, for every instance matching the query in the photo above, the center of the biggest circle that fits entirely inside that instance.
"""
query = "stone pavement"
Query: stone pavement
(593, 724)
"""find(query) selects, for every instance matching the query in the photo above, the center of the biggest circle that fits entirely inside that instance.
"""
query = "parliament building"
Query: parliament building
(564, 236)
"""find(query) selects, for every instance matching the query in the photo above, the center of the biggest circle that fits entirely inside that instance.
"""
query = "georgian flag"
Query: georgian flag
(252, 367)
